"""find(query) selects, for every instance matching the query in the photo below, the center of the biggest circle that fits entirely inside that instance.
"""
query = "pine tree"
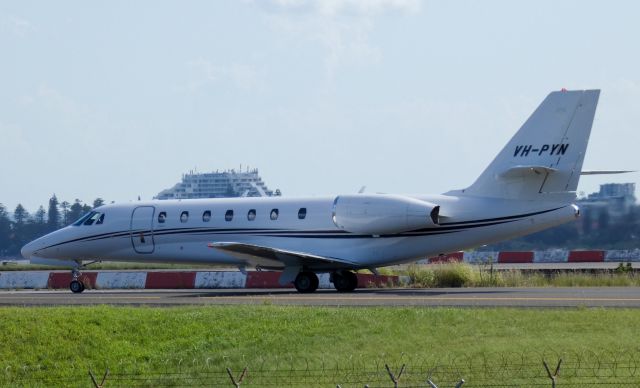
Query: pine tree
(5, 231)
(98, 202)
(20, 215)
(53, 215)
(21, 230)
(40, 217)
(64, 206)
(75, 211)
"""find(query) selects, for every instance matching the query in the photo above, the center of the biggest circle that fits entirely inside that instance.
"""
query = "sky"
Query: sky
(118, 99)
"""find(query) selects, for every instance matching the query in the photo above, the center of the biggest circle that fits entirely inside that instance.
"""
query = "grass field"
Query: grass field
(172, 346)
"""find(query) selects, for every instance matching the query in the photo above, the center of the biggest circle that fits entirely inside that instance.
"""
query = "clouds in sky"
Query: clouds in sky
(341, 27)
(119, 99)
(16, 25)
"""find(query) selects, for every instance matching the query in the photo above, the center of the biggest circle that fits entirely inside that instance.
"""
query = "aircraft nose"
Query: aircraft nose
(27, 251)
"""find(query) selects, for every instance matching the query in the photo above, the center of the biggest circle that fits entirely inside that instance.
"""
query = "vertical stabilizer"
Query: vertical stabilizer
(544, 158)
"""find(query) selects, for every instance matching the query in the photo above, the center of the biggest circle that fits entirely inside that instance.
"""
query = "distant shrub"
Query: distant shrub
(421, 276)
(455, 274)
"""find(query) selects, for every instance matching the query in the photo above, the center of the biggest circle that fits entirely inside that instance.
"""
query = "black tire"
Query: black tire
(76, 286)
(345, 281)
(306, 282)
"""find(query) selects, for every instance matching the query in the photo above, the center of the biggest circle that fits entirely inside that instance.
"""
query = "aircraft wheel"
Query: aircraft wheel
(76, 286)
(345, 281)
(306, 282)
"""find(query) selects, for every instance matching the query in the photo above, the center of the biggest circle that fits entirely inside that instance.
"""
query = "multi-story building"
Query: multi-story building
(229, 183)
(616, 197)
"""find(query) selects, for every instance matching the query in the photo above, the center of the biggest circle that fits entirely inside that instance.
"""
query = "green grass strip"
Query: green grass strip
(58, 345)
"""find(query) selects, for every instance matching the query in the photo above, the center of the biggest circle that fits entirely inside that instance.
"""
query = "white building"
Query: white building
(218, 185)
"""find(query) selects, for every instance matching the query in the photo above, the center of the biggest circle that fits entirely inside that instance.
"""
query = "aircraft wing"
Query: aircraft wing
(274, 257)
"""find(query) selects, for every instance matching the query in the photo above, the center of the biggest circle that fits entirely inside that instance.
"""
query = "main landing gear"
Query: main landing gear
(306, 282)
(344, 281)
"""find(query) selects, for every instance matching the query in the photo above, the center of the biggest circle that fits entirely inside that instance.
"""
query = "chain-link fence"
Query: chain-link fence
(530, 369)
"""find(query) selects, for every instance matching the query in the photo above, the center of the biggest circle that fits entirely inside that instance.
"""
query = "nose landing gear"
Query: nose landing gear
(76, 286)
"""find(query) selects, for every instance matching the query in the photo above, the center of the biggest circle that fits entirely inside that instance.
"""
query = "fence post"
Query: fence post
(554, 376)
(393, 377)
(239, 381)
(95, 382)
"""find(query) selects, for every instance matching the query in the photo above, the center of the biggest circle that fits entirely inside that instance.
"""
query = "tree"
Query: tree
(39, 217)
(75, 211)
(5, 230)
(20, 215)
(587, 220)
(53, 214)
(603, 219)
(64, 206)
(98, 202)
(21, 233)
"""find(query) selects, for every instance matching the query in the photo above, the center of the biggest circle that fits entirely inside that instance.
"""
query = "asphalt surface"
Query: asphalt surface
(468, 297)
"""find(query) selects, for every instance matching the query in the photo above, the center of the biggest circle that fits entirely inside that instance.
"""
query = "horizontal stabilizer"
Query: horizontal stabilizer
(605, 172)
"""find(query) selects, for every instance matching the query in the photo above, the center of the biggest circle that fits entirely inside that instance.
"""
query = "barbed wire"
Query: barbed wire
(488, 369)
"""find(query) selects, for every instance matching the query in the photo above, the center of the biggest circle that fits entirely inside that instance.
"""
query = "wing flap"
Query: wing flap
(257, 255)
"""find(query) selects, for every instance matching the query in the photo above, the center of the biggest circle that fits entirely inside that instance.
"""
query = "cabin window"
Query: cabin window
(100, 220)
(162, 217)
(93, 218)
(302, 213)
(206, 216)
(228, 216)
(274, 214)
(184, 217)
(251, 215)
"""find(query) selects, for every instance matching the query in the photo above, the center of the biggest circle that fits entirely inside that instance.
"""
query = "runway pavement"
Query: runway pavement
(467, 297)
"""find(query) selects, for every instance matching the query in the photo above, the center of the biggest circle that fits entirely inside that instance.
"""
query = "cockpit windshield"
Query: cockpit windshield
(90, 218)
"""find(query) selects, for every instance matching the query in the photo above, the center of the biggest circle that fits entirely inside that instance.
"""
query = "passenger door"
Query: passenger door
(141, 229)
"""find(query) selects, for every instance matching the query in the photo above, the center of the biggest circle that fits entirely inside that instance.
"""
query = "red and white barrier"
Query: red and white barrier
(167, 280)
(268, 279)
(549, 256)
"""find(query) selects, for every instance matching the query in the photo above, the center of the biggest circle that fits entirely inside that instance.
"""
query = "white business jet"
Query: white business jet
(528, 187)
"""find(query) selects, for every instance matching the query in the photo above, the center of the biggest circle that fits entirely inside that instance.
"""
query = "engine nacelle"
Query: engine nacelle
(383, 214)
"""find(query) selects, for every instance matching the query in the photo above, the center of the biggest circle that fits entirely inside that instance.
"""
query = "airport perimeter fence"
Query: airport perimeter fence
(546, 369)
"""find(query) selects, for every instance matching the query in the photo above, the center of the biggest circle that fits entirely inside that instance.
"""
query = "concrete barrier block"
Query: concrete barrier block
(61, 280)
(551, 256)
(586, 256)
(110, 280)
(220, 279)
(447, 258)
(366, 280)
(22, 280)
(265, 279)
(622, 255)
(169, 280)
(324, 282)
(515, 257)
(481, 257)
